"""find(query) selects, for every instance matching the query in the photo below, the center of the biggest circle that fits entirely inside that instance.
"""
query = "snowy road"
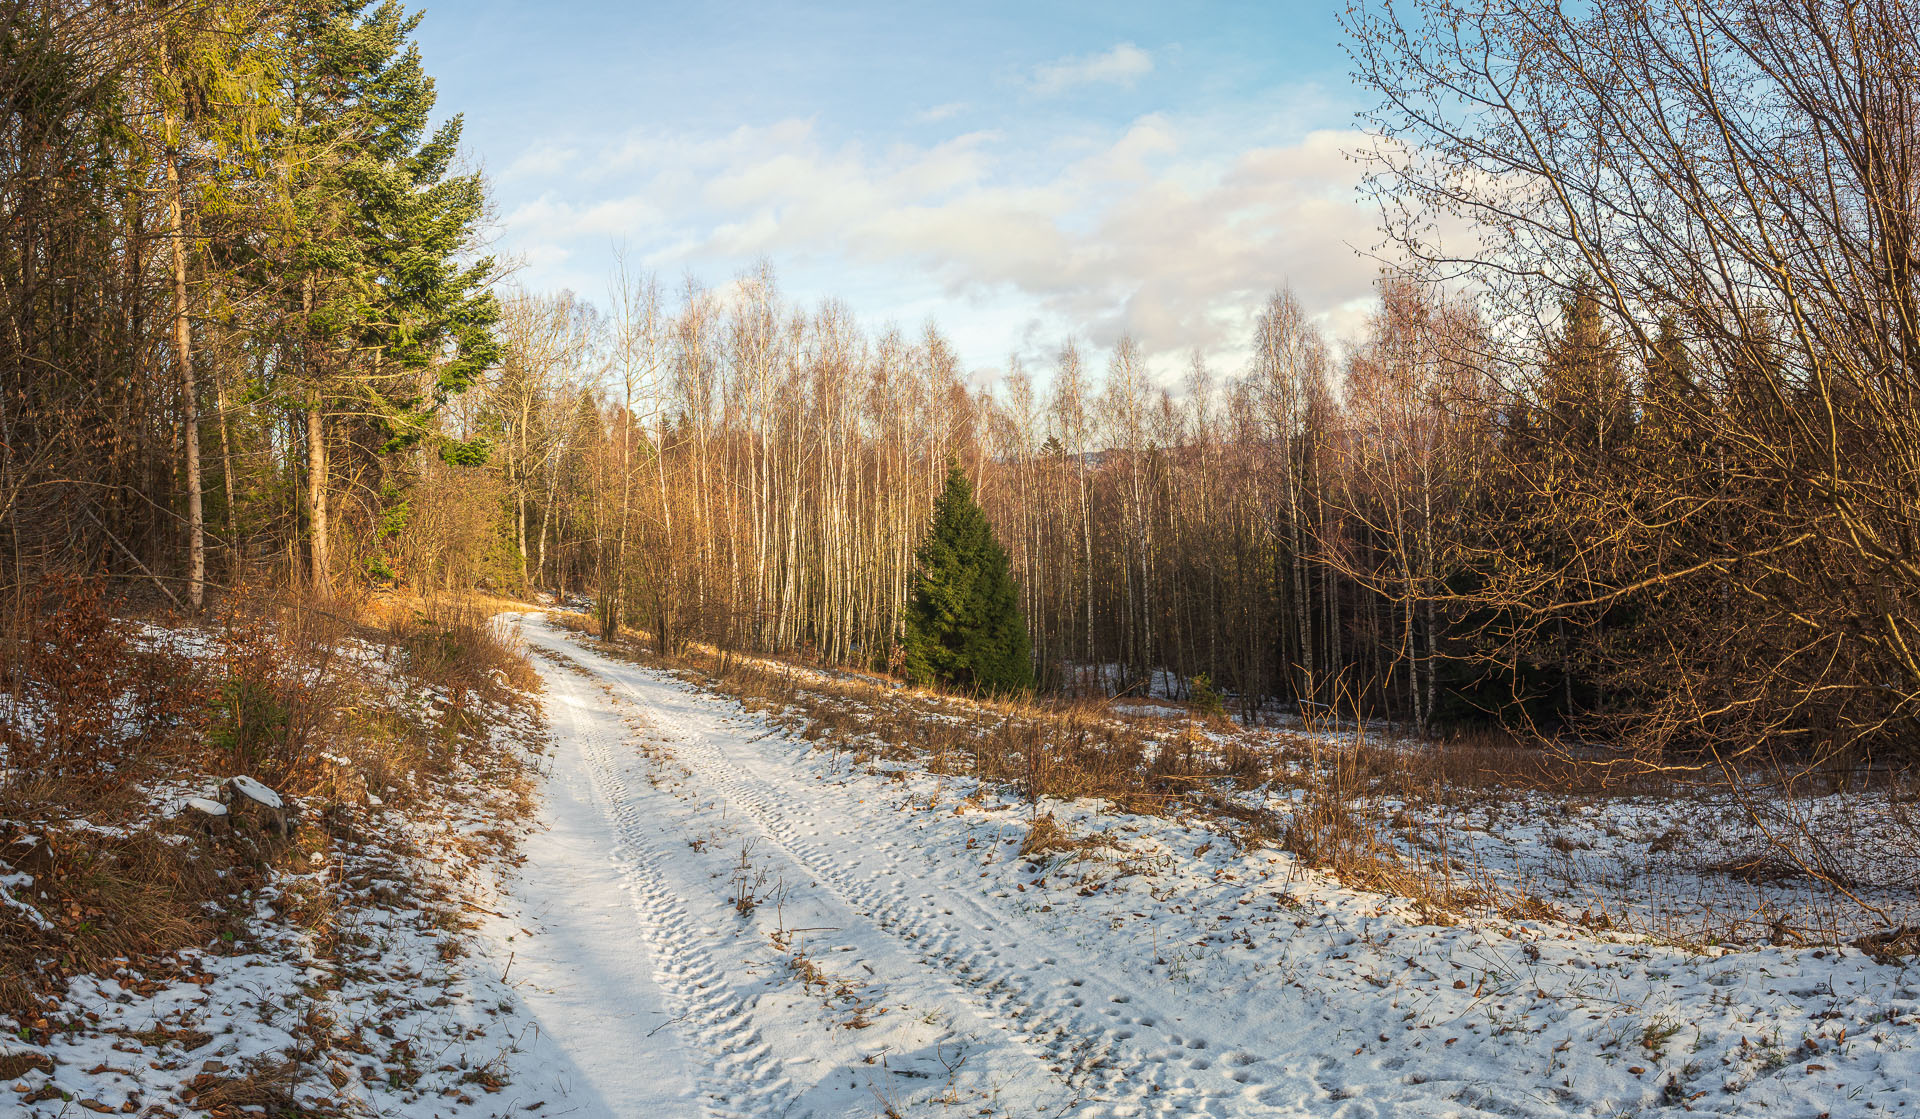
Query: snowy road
(726, 922)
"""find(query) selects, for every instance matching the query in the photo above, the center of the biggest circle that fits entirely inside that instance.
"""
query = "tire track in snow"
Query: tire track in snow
(1095, 1055)
(743, 1080)
(951, 997)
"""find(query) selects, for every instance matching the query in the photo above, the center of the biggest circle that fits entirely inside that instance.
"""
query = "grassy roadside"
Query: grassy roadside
(403, 739)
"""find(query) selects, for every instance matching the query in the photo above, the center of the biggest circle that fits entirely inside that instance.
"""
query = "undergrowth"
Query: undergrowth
(107, 724)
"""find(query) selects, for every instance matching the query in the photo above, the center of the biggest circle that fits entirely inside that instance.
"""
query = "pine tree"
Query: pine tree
(964, 626)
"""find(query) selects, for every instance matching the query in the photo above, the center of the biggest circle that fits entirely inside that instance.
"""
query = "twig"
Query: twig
(157, 581)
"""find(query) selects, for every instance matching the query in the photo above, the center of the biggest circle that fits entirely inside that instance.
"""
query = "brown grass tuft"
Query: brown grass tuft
(1044, 837)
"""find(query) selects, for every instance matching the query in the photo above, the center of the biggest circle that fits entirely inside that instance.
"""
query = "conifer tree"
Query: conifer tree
(1588, 401)
(391, 311)
(964, 625)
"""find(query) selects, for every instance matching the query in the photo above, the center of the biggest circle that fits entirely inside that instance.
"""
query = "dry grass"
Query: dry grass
(1045, 836)
(265, 1085)
(456, 645)
(270, 693)
(107, 899)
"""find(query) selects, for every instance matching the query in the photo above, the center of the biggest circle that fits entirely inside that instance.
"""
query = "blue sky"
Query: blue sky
(1017, 172)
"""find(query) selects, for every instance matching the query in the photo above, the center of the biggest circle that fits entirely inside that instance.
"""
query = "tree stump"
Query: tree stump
(210, 816)
(252, 806)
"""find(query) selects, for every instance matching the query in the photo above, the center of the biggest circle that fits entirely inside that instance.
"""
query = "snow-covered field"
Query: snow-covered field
(720, 918)
(714, 916)
(1692, 868)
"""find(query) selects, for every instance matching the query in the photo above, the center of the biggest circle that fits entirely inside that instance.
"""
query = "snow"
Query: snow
(1637, 861)
(714, 916)
(255, 791)
(22, 883)
(722, 915)
(579, 975)
(1149, 710)
(205, 806)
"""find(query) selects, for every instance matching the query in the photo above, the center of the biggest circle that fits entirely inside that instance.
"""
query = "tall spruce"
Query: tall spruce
(964, 625)
(1587, 396)
(392, 306)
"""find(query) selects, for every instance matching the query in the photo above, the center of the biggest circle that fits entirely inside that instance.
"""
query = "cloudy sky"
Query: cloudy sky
(1018, 172)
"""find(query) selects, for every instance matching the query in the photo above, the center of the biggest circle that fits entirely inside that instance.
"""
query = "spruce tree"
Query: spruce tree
(388, 310)
(1589, 402)
(964, 626)
(1670, 403)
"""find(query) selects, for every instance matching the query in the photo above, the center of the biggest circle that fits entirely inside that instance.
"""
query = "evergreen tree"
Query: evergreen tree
(391, 311)
(1588, 401)
(1673, 409)
(964, 626)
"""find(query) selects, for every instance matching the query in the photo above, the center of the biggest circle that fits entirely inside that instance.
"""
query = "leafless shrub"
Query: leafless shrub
(88, 709)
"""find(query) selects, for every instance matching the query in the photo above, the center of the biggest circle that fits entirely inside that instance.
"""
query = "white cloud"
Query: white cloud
(939, 113)
(1168, 227)
(555, 219)
(1122, 65)
(541, 161)
(1126, 159)
(1135, 234)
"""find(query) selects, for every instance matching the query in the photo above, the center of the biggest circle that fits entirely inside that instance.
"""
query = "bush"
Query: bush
(253, 721)
(457, 646)
(1210, 704)
(86, 707)
(267, 699)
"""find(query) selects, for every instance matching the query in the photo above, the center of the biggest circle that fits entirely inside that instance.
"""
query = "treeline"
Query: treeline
(727, 467)
(1723, 550)
(1630, 459)
(237, 283)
